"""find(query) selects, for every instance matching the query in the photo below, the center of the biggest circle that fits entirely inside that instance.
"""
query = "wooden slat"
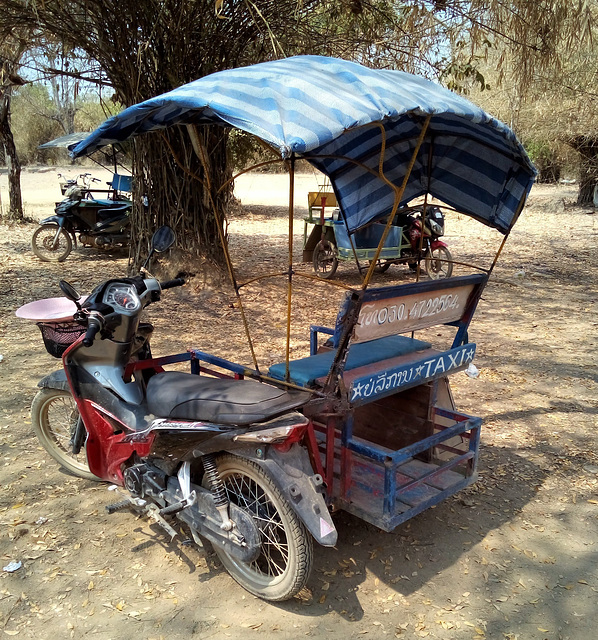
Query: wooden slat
(402, 314)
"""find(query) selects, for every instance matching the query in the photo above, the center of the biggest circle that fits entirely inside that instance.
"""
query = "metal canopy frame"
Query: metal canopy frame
(290, 273)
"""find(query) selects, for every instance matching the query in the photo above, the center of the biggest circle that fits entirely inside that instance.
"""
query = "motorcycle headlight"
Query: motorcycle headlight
(437, 229)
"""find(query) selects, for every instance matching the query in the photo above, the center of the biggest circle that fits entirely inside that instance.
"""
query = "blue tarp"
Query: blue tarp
(325, 110)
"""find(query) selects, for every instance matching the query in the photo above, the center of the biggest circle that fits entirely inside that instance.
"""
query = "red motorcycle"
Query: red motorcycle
(328, 243)
(220, 453)
(438, 260)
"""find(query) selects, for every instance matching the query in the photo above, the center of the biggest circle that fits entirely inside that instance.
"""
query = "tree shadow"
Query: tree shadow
(409, 558)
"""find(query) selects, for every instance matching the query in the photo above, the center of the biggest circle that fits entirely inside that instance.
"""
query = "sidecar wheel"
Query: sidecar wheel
(54, 416)
(284, 564)
(439, 263)
(325, 259)
(48, 247)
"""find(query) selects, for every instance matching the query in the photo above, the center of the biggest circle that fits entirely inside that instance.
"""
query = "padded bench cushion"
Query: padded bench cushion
(304, 371)
(174, 394)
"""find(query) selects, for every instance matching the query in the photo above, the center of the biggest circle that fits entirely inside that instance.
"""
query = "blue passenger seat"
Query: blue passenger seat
(305, 371)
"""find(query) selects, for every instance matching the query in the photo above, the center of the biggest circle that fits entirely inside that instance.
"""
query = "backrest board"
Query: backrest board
(400, 309)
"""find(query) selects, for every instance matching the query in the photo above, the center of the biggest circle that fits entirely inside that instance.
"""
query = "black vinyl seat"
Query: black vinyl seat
(185, 396)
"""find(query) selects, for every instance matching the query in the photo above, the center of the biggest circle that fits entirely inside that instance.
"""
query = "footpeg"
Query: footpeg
(117, 506)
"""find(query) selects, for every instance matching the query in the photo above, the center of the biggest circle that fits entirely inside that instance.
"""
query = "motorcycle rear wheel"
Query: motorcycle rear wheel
(48, 247)
(54, 416)
(439, 263)
(284, 564)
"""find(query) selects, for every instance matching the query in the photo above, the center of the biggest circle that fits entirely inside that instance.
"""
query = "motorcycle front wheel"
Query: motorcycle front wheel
(439, 263)
(284, 564)
(51, 244)
(54, 416)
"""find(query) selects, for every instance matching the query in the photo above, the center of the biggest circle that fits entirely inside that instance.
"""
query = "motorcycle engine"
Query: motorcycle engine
(95, 241)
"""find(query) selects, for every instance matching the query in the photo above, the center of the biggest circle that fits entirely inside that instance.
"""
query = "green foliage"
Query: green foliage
(32, 124)
(91, 113)
(35, 121)
(244, 150)
(460, 77)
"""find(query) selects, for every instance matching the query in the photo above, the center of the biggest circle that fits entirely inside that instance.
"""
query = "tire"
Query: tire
(382, 266)
(42, 243)
(325, 259)
(284, 564)
(54, 417)
(439, 263)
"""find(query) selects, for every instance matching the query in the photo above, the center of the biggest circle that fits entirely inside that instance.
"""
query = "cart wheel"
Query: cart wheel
(325, 259)
(439, 263)
(382, 266)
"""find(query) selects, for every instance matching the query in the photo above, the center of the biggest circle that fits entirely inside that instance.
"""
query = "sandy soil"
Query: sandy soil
(514, 556)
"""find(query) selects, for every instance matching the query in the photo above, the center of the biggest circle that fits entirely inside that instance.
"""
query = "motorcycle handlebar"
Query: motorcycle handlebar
(169, 284)
(92, 329)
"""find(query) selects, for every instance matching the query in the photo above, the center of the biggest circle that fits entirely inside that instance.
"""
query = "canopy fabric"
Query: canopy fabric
(64, 141)
(326, 110)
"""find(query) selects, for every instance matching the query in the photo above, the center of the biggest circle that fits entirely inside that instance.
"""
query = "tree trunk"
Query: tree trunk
(15, 209)
(588, 179)
(171, 187)
(588, 169)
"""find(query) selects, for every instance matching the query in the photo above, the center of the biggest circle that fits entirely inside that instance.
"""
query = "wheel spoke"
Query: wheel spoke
(62, 420)
(247, 494)
(55, 418)
(283, 557)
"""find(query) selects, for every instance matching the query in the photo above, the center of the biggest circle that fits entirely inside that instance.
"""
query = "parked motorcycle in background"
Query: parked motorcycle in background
(83, 180)
(435, 254)
(99, 222)
(224, 455)
(328, 242)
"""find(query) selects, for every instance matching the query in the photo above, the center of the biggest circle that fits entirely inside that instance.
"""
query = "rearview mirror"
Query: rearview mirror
(69, 291)
(163, 239)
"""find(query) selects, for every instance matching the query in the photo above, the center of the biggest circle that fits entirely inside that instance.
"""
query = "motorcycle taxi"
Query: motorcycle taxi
(98, 217)
(378, 433)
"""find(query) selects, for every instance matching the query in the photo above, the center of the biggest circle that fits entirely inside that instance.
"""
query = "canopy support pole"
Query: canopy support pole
(423, 221)
(398, 191)
(291, 165)
(504, 240)
(335, 374)
(200, 151)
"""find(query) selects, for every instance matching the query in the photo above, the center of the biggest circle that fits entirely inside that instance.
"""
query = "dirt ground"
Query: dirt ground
(514, 556)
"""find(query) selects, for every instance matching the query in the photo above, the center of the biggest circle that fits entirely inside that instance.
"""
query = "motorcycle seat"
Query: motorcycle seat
(185, 396)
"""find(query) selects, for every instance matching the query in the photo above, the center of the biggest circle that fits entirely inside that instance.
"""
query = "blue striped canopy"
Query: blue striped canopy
(332, 112)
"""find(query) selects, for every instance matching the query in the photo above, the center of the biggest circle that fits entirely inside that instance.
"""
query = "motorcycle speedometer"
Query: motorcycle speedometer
(122, 296)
